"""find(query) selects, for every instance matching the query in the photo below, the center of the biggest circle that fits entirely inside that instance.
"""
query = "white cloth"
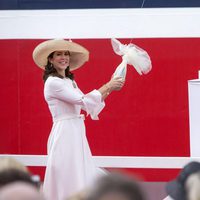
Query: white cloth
(132, 55)
(70, 167)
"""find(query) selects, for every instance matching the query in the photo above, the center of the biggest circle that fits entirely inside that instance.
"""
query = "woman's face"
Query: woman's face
(60, 60)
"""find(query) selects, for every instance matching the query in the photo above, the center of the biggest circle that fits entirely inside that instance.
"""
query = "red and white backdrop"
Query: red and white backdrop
(147, 119)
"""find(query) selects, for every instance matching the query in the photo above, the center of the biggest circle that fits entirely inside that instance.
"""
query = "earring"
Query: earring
(51, 65)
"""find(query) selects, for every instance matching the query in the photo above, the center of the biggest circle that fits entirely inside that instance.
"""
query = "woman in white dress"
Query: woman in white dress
(70, 166)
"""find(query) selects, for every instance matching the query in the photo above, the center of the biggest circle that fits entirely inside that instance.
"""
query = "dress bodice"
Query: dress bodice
(65, 99)
(57, 105)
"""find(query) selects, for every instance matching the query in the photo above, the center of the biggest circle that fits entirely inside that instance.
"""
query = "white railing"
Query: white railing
(115, 161)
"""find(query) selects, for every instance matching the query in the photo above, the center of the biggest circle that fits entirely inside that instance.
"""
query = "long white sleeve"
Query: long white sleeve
(90, 102)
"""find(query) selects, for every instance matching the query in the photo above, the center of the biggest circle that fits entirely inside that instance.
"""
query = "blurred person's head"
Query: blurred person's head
(176, 189)
(192, 186)
(12, 170)
(12, 175)
(116, 187)
(20, 191)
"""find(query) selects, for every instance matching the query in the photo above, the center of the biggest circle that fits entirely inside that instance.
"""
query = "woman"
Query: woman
(70, 167)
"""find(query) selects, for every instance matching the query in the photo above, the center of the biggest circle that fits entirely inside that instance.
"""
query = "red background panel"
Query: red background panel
(149, 175)
(148, 117)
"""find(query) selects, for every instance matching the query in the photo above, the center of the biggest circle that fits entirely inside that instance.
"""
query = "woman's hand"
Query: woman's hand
(115, 84)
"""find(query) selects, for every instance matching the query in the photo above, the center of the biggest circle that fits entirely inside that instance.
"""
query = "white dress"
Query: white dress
(70, 167)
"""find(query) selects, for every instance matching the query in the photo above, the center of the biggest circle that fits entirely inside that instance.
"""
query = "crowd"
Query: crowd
(17, 183)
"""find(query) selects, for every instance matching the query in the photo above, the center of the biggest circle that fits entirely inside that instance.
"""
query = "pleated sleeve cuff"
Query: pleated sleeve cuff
(93, 104)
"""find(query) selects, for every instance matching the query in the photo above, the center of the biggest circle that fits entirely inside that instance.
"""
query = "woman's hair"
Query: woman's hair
(51, 71)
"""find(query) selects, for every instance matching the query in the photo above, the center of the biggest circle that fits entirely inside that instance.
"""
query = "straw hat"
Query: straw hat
(78, 54)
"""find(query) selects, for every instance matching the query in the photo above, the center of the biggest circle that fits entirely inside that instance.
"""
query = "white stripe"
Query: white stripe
(100, 23)
(115, 161)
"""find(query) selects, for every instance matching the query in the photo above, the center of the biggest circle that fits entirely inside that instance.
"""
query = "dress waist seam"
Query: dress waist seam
(68, 117)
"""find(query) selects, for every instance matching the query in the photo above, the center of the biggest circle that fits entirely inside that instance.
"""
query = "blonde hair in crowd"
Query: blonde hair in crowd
(10, 163)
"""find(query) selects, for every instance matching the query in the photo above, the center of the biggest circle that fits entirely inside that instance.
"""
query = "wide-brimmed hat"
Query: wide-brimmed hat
(78, 54)
(176, 188)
